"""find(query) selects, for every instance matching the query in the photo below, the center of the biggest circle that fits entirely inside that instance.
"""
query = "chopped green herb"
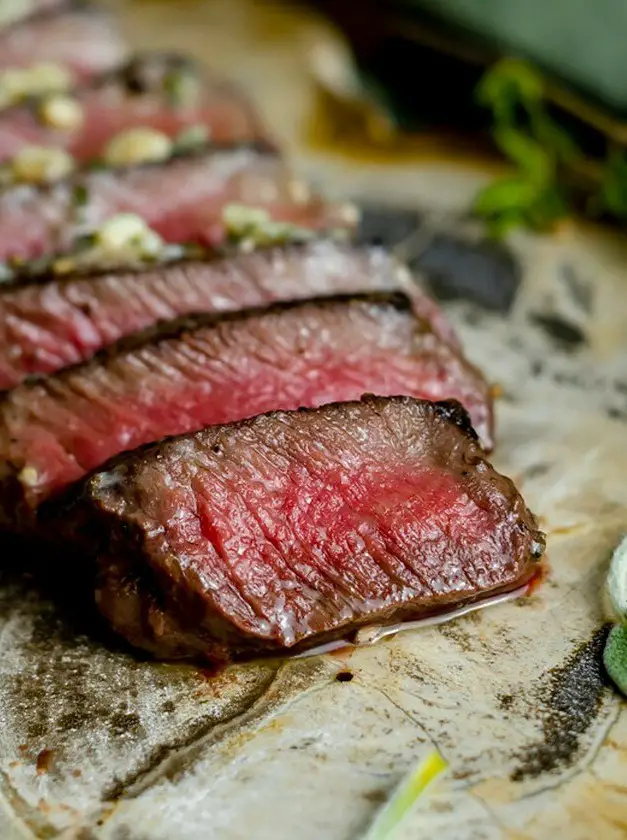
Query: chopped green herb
(615, 657)
(252, 226)
(553, 176)
(181, 88)
(191, 138)
(80, 195)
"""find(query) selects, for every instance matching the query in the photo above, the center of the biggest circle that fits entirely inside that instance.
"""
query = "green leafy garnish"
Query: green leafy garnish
(615, 657)
(407, 794)
(528, 137)
(553, 176)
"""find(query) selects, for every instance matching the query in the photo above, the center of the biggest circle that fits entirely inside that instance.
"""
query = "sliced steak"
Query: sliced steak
(182, 199)
(164, 92)
(293, 528)
(48, 322)
(80, 37)
(209, 370)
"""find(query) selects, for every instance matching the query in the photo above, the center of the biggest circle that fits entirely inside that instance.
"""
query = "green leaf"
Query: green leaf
(614, 184)
(615, 657)
(526, 153)
(508, 84)
(504, 196)
(552, 136)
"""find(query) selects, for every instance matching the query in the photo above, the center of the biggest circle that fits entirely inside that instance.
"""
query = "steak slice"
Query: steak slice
(80, 37)
(208, 370)
(182, 199)
(166, 92)
(293, 528)
(48, 322)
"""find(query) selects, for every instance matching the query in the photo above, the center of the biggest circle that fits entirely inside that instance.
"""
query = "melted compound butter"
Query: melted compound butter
(370, 635)
(17, 84)
(123, 240)
(36, 165)
(253, 226)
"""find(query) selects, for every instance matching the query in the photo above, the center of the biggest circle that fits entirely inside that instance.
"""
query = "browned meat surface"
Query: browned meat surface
(217, 370)
(296, 527)
(48, 322)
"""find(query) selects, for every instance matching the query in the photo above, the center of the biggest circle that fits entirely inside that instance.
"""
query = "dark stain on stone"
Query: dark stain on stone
(344, 676)
(579, 290)
(565, 333)
(124, 723)
(458, 635)
(536, 470)
(567, 702)
(123, 832)
(377, 797)
(617, 413)
(506, 701)
(484, 273)
(621, 387)
(570, 379)
(387, 226)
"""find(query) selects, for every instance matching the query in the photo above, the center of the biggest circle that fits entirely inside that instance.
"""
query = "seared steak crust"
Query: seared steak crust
(296, 527)
(48, 322)
(208, 370)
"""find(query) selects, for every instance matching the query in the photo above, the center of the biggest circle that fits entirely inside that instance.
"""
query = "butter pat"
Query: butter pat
(40, 164)
(125, 231)
(61, 112)
(17, 84)
(138, 145)
(123, 240)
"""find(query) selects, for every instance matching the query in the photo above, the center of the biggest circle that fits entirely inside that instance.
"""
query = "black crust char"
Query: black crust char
(456, 413)
(181, 376)
(167, 330)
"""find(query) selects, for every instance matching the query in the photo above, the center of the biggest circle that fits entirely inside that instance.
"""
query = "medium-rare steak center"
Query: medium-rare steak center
(216, 370)
(48, 322)
(297, 527)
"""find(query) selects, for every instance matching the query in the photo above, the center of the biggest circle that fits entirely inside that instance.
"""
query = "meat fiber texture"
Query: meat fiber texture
(48, 322)
(81, 38)
(211, 370)
(294, 528)
(182, 199)
(140, 93)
